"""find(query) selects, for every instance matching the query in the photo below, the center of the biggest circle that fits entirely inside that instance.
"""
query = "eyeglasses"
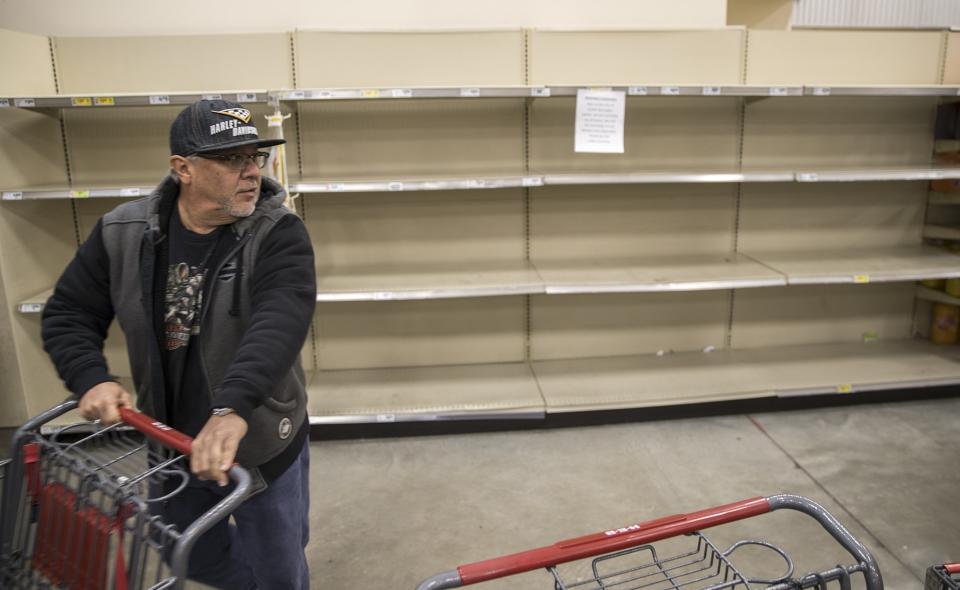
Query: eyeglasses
(238, 161)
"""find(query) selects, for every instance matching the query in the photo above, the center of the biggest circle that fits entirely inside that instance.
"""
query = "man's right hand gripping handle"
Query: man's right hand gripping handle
(103, 400)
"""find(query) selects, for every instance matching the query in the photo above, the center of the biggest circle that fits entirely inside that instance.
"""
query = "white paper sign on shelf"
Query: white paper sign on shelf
(600, 119)
(159, 99)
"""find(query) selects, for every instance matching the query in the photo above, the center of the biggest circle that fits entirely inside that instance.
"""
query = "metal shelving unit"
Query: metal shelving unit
(129, 100)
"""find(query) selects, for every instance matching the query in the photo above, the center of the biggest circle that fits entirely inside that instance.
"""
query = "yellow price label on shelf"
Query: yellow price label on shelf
(846, 388)
(371, 94)
(104, 101)
(861, 279)
(82, 101)
(79, 194)
(870, 336)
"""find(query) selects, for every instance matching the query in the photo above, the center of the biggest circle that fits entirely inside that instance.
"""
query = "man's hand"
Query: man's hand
(215, 447)
(102, 402)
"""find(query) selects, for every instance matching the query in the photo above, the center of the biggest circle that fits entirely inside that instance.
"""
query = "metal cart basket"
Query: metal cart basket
(80, 508)
(943, 577)
(627, 559)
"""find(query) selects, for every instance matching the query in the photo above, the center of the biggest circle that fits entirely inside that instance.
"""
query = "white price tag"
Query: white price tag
(336, 187)
(394, 186)
(31, 307)
(778, 91)
(324, 94)
(821, 91)
(297, 95)
(383, 296)
(4, 103)
(386, 418)
(402, 93)
(808, 177)
(211, 96)
(130, 192)
(12, 196)
(532, 181)
(476, 183)
(159, 99)
(540, 92)
(246, 97)
(712, 91)
(670, 90)
(470, 92)
(24, 102)
(637, 91)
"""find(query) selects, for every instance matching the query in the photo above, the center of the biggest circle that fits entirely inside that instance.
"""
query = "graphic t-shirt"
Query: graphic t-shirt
(189, 253)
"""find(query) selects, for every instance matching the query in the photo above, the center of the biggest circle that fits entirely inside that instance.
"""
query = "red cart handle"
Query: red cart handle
(157, 430)
(611, 540)
(655, 530)
(952, 568)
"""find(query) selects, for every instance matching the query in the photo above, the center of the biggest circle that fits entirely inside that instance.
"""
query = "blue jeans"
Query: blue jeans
(264, 549)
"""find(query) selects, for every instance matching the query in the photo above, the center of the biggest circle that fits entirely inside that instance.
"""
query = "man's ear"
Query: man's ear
(182, 169)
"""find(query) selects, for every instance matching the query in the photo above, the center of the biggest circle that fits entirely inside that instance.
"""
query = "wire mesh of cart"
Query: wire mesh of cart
(943, 577)
(80, 507)
(672, 553)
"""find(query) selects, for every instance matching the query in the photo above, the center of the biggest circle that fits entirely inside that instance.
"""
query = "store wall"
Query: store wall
(126, 17)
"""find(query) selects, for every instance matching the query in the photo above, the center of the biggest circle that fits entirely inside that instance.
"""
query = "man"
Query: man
(212, 281)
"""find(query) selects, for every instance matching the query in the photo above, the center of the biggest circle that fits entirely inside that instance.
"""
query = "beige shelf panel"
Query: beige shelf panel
(570, 223)
(667, 273)
(372, 59)
(662, 57)
(662, 134)
(951, 64)
(802, 217)
(187, 63)
(838, 133)
(695, 377)
(506, 390)
(428, 281)
(27, 69)
(31, 153)
(822, 267)
(577, 326)
(844, 57)
(408, 139)
(378, 334)
(810, 314)
(936, 296)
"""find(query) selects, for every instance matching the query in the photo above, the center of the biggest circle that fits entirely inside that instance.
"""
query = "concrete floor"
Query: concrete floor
(389, 512)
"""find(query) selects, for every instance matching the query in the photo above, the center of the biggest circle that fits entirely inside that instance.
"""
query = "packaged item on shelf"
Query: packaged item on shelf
(938, 284)
(943, 329)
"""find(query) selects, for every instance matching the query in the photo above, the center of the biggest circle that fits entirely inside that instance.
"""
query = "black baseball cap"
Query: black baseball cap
(212, 126)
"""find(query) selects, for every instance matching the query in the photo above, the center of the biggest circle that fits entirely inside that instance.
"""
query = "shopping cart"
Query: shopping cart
(81, 507)
(626, 559)
(943, 577)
